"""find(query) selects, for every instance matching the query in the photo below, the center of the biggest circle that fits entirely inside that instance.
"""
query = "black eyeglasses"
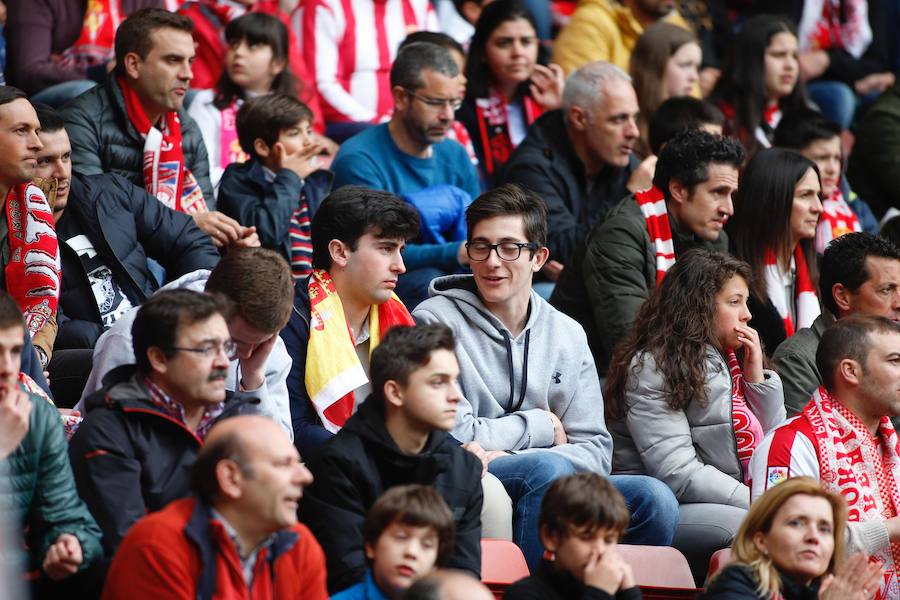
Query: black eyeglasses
(437, 103)
(509, 251)
(207, 350)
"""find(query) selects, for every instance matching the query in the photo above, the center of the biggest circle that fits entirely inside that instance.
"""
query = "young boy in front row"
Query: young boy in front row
(280, 188)
(407, 532)
(582, 518)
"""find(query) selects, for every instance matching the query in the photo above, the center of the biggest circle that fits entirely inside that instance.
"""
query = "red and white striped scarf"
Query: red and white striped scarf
(821, 27)
(492, 114)
(807, 302)
(837, 219)
(748, 432)
(94, 45)
(653, 206)
(864, 471)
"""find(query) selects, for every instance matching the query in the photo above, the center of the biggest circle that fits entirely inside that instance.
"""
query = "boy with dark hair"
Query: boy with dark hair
(280, 188)
(532, 408)
(679, 113)
(397, 437)
(582, 519)
(407, 532)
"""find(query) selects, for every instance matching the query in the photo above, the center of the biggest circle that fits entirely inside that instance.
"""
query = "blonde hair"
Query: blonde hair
(759, 519)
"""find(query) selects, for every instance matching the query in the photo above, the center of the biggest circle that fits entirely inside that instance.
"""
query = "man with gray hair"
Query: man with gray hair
(579, 158)
(411, 156)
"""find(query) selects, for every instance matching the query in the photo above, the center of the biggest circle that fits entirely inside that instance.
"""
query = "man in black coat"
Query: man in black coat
(397, 437)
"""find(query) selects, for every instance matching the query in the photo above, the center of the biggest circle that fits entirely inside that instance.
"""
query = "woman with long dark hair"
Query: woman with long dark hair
(688, 398)
(508, 86)
(760, 81)
(776, 214)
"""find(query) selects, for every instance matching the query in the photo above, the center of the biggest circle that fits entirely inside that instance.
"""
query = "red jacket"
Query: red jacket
(182, 552)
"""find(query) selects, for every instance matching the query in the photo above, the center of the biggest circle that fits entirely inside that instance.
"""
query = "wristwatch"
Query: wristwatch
(42, 356)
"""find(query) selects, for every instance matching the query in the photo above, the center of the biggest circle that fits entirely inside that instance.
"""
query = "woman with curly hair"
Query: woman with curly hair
(791, 546)
(688, 399)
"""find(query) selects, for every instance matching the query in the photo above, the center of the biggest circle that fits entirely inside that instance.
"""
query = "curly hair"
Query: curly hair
(675, 325)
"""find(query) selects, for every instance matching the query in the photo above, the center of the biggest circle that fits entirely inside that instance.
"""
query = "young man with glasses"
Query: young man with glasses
(532, 407)
(134, 451)
(411, 156)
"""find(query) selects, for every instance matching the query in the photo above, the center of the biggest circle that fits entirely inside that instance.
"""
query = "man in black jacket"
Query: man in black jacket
(134, 451)
(397, 437)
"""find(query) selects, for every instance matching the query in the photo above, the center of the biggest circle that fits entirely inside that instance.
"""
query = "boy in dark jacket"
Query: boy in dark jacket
(582, 518)
(397, 437)
(279, 189)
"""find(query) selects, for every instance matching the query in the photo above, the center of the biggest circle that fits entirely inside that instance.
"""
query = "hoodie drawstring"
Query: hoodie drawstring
(512, 383)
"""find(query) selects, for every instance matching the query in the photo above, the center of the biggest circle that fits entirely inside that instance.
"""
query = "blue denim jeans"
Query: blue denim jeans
(835, 99)
(526, 477)
(58, 95)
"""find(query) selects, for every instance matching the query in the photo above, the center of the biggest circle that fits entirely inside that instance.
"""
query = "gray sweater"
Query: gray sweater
(509, 382)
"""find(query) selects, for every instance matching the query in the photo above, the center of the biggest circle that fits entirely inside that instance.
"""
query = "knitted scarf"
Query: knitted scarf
(837, 219)
(230, 150)
(828, 24)
(94, 45)
(865, 473)
(492, 114)
(165, 174)
(748, 432)
(32, 275)
(300, 232)
(333, 370)
(653, 206)
(807, 301)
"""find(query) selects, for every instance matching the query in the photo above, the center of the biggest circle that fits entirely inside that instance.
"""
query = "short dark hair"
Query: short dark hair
(9, 93)
(849, 338)
(844, 262)
(511, 200)
(416, 506)
(891, 230)
(404, 350)
(432, 37)
(51, 121)
(161, 316)
(259, 284)
(413, 59)
(584, 500)
(10, 313)
(687, 156)
(203, 473)
(352, 211)
(265, 117)
(134, 35)
(801, 127)
(677, 114)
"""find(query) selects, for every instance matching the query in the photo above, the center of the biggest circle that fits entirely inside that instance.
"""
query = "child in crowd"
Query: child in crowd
(582, 518)
(407, 532)
(256, 63)
(279, 189)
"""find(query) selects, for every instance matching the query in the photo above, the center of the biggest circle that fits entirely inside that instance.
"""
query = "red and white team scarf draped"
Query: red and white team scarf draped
(492, 114)
(747, 430)
(837, 219)
(230, 150)
(653, 206)
(32, 275)
(94, 45)
(165, 174)
(821, 27)
(333, 370)
(807, 302)
(763, 132)
(853, 464)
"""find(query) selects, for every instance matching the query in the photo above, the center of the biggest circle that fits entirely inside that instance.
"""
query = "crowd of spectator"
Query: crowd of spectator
(306, 298)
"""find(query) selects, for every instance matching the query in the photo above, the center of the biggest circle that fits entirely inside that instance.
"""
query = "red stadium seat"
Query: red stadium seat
(718, 560)
(502, 564)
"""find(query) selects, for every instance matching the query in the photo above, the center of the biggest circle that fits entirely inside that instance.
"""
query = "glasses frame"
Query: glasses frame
(434, 103)
(533, 247)
(229, 347)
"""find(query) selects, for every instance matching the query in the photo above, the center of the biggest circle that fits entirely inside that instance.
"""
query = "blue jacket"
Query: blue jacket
(364, 590)
(248, 197)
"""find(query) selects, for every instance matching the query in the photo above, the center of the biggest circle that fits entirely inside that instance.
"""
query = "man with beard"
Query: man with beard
(411, 156)
(133, 453)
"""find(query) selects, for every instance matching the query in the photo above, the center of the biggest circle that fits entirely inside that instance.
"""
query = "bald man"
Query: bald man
(448, 584)
(247, 481)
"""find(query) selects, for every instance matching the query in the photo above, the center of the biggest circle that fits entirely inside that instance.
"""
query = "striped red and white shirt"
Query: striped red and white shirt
(350, 44)
(789, 451)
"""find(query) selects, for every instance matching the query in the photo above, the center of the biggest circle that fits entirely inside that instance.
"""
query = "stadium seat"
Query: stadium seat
(657, 566)
(502, 564)
(718, 560)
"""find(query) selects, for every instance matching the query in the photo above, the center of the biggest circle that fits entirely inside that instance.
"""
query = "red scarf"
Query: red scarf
(863, 471)
(653, 206)
(492, 114)
(165, 174)
(748, 432)
(94, 45)
(829, 24)
(763, 132)
(32, 275)
(807, 302)
(837, 219)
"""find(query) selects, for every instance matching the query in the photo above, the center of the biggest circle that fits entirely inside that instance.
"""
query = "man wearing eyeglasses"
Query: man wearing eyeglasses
(411, 156)
(134, 451)
(532, 407)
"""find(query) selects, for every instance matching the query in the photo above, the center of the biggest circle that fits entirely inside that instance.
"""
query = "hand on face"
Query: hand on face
(15, 410)
(607, 571)
(753, 354)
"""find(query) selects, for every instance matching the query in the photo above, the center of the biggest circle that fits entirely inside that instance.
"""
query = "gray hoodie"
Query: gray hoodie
(509, 382)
